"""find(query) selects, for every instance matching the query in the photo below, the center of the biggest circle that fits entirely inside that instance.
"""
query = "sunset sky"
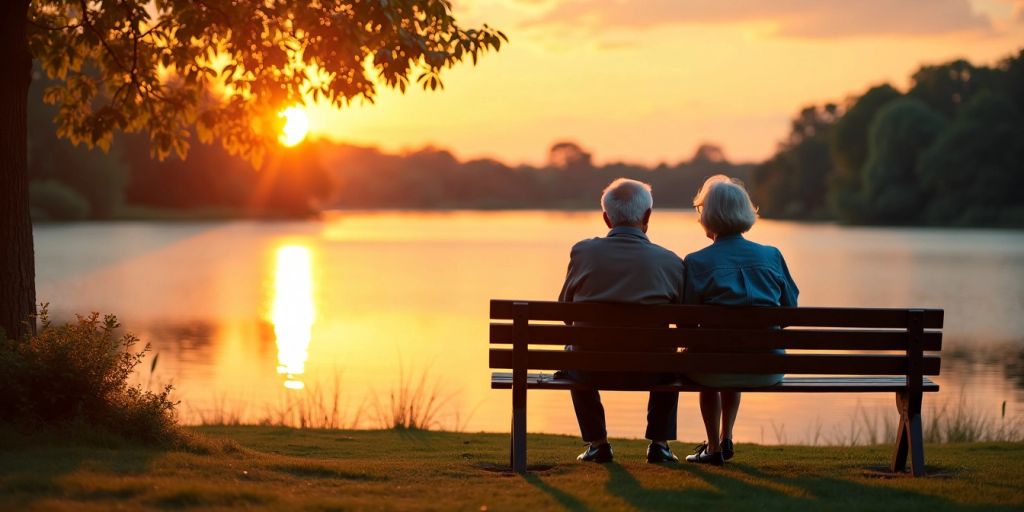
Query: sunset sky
(647, 81)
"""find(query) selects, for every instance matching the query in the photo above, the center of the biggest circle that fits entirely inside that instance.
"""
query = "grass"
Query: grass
(286, 469)
(416, 402)
(950, 422)
(963, 425)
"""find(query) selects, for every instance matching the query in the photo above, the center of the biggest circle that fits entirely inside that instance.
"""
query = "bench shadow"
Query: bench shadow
(742, 484)
(740, 487)
(563, 498)
(623, 484)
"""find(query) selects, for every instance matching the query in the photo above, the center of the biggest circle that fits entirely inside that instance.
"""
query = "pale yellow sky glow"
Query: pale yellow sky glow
(647, 81)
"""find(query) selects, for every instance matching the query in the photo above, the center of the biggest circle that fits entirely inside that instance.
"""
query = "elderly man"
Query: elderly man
(624, 267)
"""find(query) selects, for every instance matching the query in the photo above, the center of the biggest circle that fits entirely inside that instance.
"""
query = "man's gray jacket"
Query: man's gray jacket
(623, 267)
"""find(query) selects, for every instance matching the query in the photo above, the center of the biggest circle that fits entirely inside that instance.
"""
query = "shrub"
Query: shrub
(77, 374)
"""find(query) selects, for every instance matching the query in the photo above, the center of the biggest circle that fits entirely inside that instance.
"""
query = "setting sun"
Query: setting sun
(296, 126)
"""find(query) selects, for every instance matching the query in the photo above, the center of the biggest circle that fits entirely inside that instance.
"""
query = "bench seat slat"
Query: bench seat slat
(503, 380)
(686, 362)
(804, 339)
(718, 315)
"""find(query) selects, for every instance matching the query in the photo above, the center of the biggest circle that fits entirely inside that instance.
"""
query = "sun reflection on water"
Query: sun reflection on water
(293, 311)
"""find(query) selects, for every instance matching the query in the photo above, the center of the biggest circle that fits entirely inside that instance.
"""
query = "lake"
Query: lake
(279, 321)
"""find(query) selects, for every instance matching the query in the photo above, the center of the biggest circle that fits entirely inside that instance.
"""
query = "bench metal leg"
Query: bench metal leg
(899, 457)
(916, 445)
(512, 443)
(519, 429)
(520, 362)
(909, 436)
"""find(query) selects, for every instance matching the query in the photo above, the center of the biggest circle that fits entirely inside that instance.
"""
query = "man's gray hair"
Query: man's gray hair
(724, 206)
(625, 201)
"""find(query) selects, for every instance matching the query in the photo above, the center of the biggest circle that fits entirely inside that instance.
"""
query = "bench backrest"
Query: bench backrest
(822, 341)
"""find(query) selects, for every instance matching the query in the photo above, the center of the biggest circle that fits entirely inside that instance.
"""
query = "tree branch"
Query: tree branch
(103, 40)
(52, 28)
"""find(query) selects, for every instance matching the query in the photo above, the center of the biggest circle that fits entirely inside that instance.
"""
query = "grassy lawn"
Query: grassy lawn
(277, 468)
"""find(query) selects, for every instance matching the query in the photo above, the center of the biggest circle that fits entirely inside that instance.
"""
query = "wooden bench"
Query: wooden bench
(829, 350)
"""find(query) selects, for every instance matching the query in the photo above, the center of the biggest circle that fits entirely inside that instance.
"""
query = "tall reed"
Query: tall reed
(315, 407)
(414, 404)
(947, 423)
(965, 424)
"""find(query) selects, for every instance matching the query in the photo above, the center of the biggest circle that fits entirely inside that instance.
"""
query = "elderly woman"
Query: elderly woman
(737, 272)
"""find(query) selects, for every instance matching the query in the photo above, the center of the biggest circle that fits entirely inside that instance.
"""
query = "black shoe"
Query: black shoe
(600, 454)
(657, 453)
(727, 450)
(702, 456)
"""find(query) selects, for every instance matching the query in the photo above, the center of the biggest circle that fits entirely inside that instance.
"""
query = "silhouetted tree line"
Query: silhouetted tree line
(434, 178)
(72, 183)
(949, 151)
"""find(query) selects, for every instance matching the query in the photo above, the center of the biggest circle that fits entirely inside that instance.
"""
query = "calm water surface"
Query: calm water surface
(253, 321)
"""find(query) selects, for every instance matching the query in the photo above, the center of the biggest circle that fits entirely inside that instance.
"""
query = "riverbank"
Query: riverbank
(286, 469)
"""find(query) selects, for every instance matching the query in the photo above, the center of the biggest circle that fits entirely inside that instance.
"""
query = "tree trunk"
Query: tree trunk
(17, 260)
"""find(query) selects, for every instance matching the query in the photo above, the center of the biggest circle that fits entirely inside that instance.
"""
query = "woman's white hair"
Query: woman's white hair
(625, 201)
(725, 207)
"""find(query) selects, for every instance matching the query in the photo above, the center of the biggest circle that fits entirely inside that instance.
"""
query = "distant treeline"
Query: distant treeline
(949, 151)
(431, 178)
(75, 183)
(71, 183)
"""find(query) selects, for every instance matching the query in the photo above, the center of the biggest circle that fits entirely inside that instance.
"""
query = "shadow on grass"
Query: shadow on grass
(563, 498)
(744, 485)
(741, 487)
(319, 471)
(34, 473)
(504, 469)
(624, 485)
(186, 498)
(58, 460)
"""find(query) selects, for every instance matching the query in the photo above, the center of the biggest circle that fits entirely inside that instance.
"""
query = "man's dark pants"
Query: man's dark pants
(661, 406)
